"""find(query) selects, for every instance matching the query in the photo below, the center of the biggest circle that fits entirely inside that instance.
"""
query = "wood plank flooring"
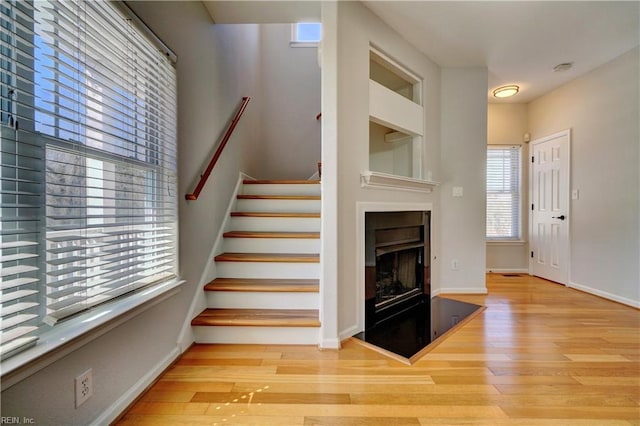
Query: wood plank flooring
(540, 354)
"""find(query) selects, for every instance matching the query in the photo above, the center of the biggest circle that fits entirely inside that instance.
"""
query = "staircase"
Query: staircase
(267, 290)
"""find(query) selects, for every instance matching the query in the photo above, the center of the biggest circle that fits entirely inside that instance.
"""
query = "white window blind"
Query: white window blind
(503, 192)
(95, 104)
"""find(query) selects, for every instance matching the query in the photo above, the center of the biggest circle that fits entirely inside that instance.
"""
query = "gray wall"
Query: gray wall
(601, 108)
(463, 164)
(289, 141)
(216, 66)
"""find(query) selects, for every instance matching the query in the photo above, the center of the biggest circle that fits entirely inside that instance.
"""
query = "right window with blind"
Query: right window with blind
(504, 192)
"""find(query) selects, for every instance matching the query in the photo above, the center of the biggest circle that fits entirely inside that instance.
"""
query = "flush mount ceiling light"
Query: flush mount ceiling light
(506, 91)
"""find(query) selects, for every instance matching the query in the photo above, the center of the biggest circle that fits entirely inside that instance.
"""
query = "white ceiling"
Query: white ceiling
(518, 41)
(263, 11)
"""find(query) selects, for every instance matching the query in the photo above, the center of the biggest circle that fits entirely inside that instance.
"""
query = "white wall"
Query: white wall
(389, 157)
(463, 156)
(289, 145)
(601, 108)
(358, 27)
(216, 66)
(329, 331)
(506, 125)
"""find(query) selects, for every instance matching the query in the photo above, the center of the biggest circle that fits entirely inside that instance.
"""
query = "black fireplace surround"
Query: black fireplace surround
(397, 273)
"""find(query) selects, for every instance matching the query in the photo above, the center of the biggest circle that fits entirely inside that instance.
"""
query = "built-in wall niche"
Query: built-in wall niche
(390, 151)
(396, 124)
(394, 76)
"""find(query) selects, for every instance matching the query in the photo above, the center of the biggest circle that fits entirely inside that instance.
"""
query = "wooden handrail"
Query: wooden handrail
(204, 176)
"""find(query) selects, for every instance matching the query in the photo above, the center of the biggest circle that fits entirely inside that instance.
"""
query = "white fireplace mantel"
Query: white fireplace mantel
(371, 179)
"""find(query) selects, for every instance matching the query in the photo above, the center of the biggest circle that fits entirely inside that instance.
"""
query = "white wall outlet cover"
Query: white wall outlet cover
(457, 191)
(575, 194)
(84, 387)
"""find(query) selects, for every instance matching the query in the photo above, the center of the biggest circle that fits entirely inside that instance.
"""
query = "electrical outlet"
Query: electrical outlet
(455, 265)
(84, 387)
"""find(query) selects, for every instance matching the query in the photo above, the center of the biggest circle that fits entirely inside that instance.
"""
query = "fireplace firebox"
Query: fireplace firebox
(397, 273)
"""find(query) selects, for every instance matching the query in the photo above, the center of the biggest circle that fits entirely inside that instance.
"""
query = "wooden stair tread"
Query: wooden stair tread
(256, 234)
(275, 214)
(258, 317)
(269, 257)
(279, 197)
(263, 285)
(280, 182)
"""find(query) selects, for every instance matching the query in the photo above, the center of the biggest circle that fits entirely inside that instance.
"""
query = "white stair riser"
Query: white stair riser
(275, 224)
(293, 206)
(271, 245)
(261, 300)
(281, 189)
(269, 270)
(257, 335)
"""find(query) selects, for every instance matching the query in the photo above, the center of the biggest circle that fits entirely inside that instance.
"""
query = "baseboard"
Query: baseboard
(349, 332)
(507, 271)
(459, 290)
(606, 295)
(121, 404)
(330, 343)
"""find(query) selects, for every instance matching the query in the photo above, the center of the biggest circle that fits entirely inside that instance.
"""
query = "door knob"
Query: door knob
(561, 217)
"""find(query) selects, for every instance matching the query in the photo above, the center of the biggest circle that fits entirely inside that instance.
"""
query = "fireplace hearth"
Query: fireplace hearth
(397, 263)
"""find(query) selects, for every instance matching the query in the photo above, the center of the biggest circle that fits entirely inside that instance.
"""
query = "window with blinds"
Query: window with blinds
(88, 201)
(503, 192)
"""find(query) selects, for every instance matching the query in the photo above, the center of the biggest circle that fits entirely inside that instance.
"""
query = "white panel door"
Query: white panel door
(550, 207)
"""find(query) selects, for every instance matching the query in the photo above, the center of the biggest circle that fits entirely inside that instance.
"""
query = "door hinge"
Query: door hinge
(532, 254)
(532, 159)
(531, 207)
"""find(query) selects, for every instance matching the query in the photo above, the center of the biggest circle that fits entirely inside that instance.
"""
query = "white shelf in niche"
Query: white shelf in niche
(369, 179)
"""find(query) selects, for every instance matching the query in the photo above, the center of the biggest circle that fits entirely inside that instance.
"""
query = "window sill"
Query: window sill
(78, 331)
(304, 44)
(506, 242)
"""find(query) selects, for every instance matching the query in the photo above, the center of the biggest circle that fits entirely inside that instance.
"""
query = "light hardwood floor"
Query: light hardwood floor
(539, 354)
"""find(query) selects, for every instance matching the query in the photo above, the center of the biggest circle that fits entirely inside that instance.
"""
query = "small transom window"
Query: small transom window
(306, 34)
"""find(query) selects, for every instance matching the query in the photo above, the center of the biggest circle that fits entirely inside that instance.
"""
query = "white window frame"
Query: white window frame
(517, 204)
(295, 42)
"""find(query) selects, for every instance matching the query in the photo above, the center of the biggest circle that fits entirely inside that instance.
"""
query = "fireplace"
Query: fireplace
(397, 263)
